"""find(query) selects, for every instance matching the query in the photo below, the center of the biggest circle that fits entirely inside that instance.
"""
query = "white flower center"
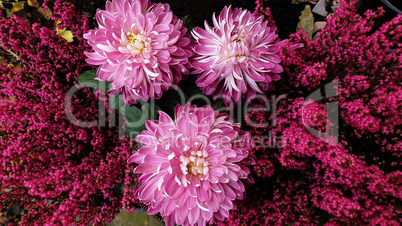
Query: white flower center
(196, 163)
(136, 42)
(235, 50)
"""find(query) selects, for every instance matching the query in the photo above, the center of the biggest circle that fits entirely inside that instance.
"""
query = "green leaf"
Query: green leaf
(9, 13)
(152, 110)
(168, 102)
(108, 86)
(188, 22)
(120, 188)
(133, 129)
(135, 120)
(131, 113)
(115, 101)
(102, 86)
(88, 79)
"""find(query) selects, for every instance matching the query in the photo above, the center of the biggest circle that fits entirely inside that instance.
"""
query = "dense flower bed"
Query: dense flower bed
(58, 172)
(308, 180)
(319, 144)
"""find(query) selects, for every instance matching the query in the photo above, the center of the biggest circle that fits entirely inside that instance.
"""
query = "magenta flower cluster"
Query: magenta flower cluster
(56, 172)
(305, 179)
(198, 166)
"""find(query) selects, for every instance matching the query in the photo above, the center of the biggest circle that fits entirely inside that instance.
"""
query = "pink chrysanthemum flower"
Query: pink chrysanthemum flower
(191, 167)
(238, 56)
(142, 48)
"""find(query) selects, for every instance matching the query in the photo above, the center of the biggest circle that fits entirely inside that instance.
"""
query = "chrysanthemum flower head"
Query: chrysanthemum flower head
(238, 56)
(192, 166)
(142, 48)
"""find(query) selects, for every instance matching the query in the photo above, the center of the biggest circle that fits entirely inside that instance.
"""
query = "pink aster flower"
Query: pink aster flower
(238, 56)
(142, 48)
(191, 166)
